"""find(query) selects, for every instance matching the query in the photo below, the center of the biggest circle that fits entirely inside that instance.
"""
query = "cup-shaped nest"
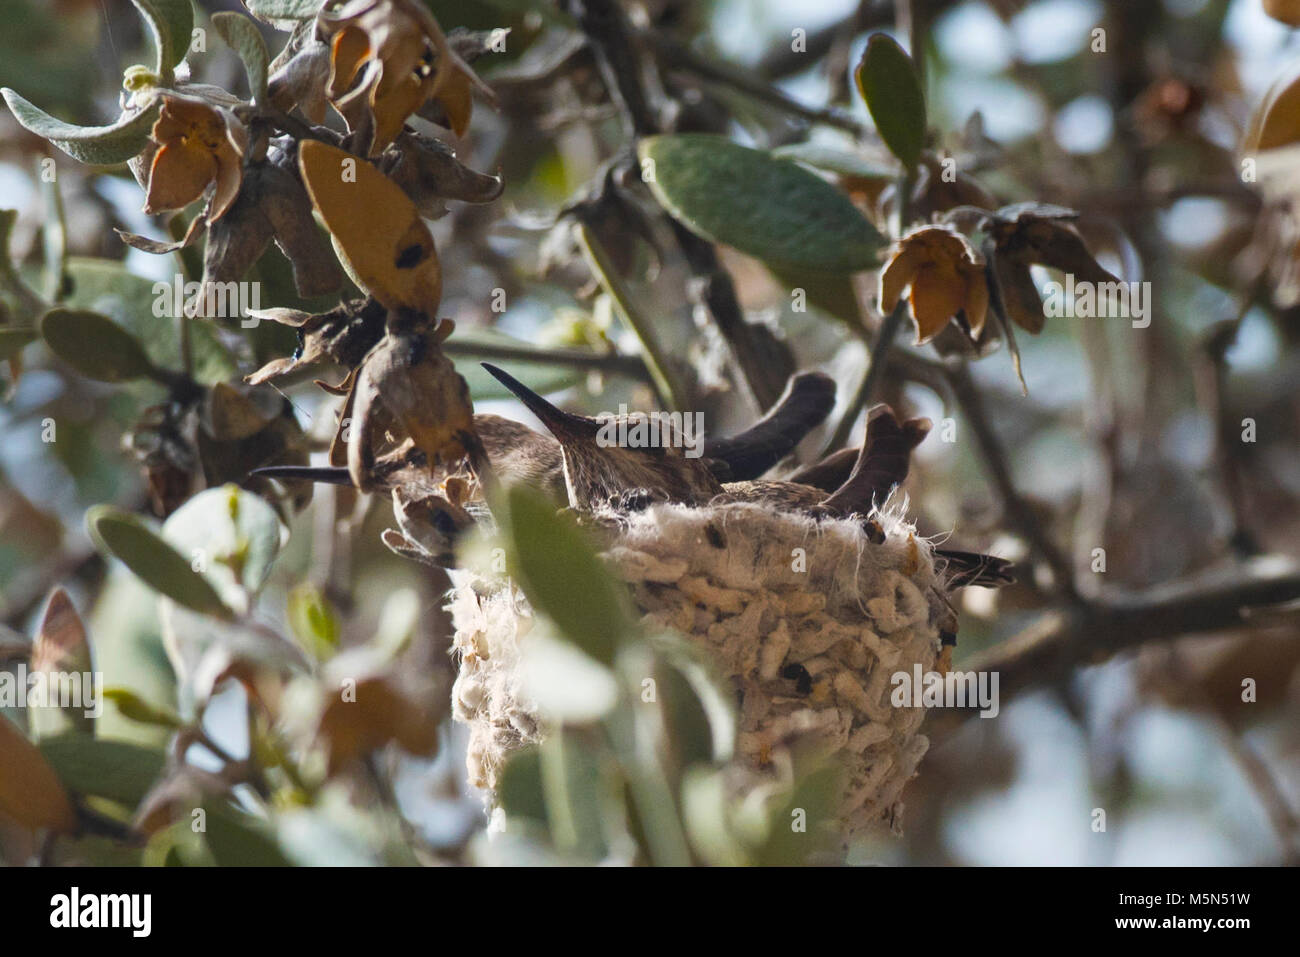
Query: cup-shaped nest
(807, 621)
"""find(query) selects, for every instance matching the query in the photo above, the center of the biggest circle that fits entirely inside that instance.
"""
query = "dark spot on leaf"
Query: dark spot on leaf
(410, 257)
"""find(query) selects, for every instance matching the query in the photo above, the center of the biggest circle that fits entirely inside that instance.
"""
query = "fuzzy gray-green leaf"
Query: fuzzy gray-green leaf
(243, 37)
(97, 145)
(153, 560)
(772, 209)
(171, 22)
(94, 345)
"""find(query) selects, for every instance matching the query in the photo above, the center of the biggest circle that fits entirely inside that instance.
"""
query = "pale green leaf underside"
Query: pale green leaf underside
(244, 38)
(171, 23)
(97, 145)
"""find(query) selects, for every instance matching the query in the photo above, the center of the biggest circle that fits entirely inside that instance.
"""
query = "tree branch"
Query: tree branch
(1062, 641)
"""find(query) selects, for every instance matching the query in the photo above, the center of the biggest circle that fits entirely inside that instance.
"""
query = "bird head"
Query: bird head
(604, 459)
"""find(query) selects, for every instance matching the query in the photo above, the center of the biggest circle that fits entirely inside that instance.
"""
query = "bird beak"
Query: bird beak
(563, 425)
(327, 474)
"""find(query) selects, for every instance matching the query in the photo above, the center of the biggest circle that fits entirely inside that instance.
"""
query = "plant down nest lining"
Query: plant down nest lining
(809, 639)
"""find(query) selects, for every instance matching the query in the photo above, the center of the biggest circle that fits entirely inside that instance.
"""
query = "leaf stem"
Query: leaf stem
(671, 390)
(880, 350)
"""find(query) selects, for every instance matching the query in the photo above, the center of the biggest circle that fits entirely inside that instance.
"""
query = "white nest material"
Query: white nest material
(763, 592)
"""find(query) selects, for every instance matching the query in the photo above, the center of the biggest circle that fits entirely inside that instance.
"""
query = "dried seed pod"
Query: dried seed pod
(428, 172)
(409, 381)
(344, 335)
(882, 464)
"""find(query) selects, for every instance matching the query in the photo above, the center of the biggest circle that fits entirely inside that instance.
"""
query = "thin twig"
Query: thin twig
(763, 362)
(1061, 641)
(995, 461)
(880, 354)
(677, 55)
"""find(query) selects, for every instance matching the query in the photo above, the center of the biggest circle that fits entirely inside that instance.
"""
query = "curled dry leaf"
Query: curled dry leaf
(272, 205)
(945, 276)
(408, 386)
(1037, 234)
(428, 171)
(379, 712)
(301, 81)
(388, 59)
(61, 652)
(343, 335)
(429, 524)
(197, 146)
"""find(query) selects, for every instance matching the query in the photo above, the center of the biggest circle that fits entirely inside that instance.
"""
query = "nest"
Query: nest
(807, 620)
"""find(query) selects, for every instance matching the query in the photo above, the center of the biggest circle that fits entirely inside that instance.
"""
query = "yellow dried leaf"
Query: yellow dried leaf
(387, 247)
(897, 275)
(938, 291)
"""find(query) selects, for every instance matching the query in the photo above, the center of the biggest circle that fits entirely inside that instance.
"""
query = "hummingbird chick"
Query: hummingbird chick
(518, 454)
(598, 472)
(807, 400)
(879, 466)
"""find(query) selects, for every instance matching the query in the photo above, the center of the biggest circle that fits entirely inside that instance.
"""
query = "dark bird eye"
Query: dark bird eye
(444, 523)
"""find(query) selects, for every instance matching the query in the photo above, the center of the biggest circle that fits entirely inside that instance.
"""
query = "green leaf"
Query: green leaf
(840, 162)
(891, 86)
(313, 619)
(13, 341)
(572, 783)
(560, 572)
(805, 827)
(233, 529)
(772, 209)
(132, 706)
(102, 767)
(519, 788)
(565, 684)
(245, 39)
(153, 560)
(831, 292)
(700, 719)
(171, 22)
(97, 145)
(94, 345)
(706, 812)
(138, 304)
(237, 839)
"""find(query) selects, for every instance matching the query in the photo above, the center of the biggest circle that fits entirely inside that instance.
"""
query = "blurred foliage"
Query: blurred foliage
(228, 736)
